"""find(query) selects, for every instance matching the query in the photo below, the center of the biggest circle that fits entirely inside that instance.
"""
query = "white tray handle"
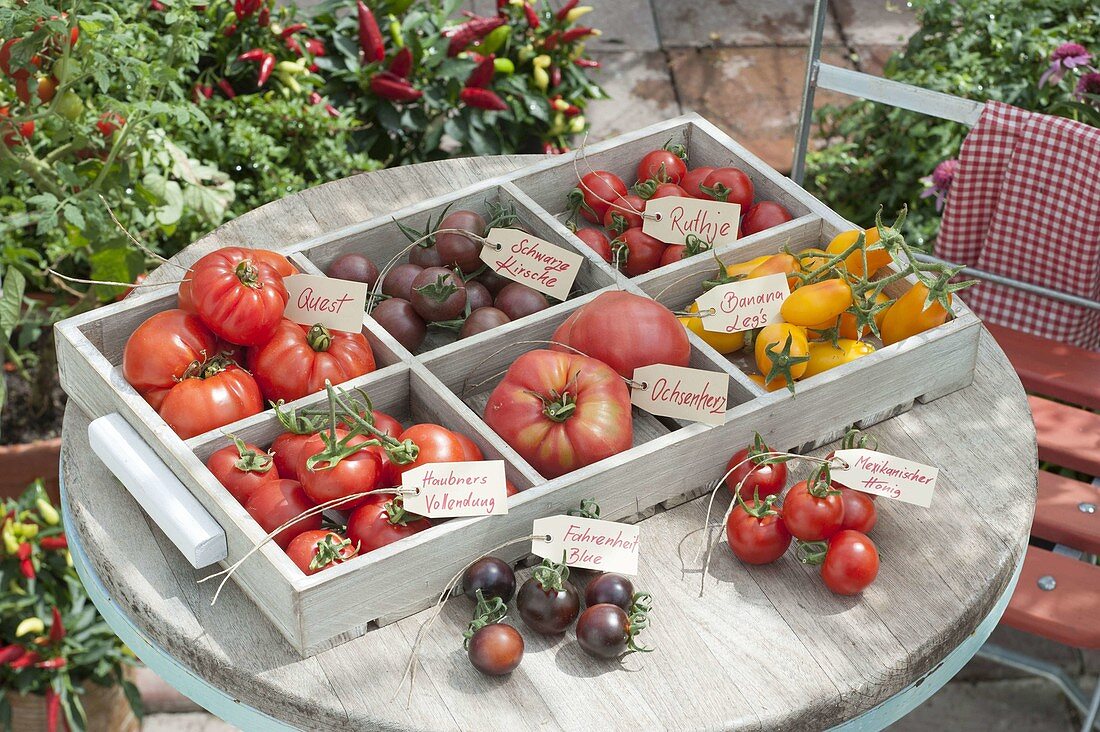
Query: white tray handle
(158, 491)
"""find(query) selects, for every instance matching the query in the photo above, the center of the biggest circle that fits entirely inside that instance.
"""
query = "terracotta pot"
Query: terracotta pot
(106, 707)
(21, 464)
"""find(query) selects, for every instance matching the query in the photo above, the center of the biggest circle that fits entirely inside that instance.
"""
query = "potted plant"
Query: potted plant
(60, 663)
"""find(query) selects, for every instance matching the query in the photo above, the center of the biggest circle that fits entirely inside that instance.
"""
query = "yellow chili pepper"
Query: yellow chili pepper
(576, 125)
(395, 33)
(11, 544)
(560, 105)
(542, 61)
(573, 15)
(47, 511)
(542, 79)
(14, 588)
(30, 625)
(28, 531)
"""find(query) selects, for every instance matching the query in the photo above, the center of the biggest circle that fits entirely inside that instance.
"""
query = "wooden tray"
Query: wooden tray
(448, 381)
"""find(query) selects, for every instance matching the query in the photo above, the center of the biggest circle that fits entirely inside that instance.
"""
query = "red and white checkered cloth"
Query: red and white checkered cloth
(1025, 203)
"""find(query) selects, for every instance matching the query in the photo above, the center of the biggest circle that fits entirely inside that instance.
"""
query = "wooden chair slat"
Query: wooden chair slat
(1058, 516)
(1068, 436)
(1066, 614)
(1050, 368)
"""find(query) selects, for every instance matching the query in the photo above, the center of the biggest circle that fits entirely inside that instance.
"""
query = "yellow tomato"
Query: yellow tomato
(821, 302)
(908, 316)
(782, 262)
(722, 342)
(743, 268)
(812, 258)
(775, 336)
(877, 257)
(758, 378)
(824, 355)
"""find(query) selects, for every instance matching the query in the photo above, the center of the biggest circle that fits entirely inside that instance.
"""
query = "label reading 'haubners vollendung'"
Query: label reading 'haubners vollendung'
(587, 543)
(673, 219)
(683, 393)
(336, 304)
(743, 305)
(456, 489)
(885, 475)
(535, 262)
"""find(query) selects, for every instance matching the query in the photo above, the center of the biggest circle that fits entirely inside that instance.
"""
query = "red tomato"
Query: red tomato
(729, 185)
(673, 253)
(281, 264)
(377, 524)
(242, 468)
(386, 424)
(764, 215)
(851, 563)
(298, 359)
(762, 480)
(275, 503)
(859, 510)
(561, 411)
(624, 213)
(813, 517)
(595, 193)
(755, 535)
(511, 489)
(286, 451)
(694, 179)
(470, 451)
(109, 123)
(217, 393)
(313, 551)
(434, 444)
(625, 331)
(239, 297)
(356, 471)
(643, 252)
(669, 190)
(662, 165)
(161, 349)
(597, 240)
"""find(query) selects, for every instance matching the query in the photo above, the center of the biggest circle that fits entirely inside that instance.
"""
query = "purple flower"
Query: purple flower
(1067, 56)
(940, 182)
(1088, 84)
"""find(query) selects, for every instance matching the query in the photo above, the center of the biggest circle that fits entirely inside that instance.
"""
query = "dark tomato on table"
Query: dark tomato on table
(643, 252)
(399, 318)
(238, 296)
(356, 470)
(494, 577)
(242, 468)
(438, 294)
(298, 359)
(624, 213)
(609, 588)
(595, 193)
(851, 563)
(377, 524)
(813, 513)
(398, 281)
(495, 649)
(604, 631)
(761, 478)
(477, 295)
(161, 349)
(517, 300)
(729, 185)
(859, 510)
(481, 320)
(470, 451)
(313, 551)
(756, 535)
(663, 166)
(764, 215)
(275, 503)
(694, 179)
(548, 609)
(209, 396)
(354, 267)
(459, 250)
(435, 444)
(597, 241)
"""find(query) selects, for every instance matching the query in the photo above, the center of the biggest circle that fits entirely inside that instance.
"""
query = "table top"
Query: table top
(763, 647)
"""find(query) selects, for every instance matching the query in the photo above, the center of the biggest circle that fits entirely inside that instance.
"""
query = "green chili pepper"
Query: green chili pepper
(504, 66)
(495, 39)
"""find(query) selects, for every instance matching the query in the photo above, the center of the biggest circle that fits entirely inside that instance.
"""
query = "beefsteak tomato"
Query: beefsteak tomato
(299, 359)
(210, 395)
(161, 350)
(239, 296)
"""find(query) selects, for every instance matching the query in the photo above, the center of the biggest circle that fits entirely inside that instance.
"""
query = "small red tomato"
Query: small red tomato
(761, 478)
(693, 180)
(470, 451)
(377, 524)
(764, 215)
(162, 349)
(859, 510)
(285, 451)
(238, 295)
(495, 649)
(813, 512)
(434, 444)
(851, 563)
(275, 503)
(597, 190)
(673, 253)
(386, 424)
(625, 213)
(313, 551)
(355, 471)
(597, 241)
(242, 468)
(668, 190)
(756, 533)
(729, 185)
(643, 252)
(109, 122)
(663, 166)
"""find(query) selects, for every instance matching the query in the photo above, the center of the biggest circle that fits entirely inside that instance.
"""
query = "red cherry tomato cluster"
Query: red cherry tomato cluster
(228, 349)
(602, 198)
(829, 522)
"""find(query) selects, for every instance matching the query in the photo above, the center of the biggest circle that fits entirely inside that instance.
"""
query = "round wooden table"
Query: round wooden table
(736, 657)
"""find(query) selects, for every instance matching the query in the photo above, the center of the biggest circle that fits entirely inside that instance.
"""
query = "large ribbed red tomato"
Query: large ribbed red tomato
(281, 264)
(298, 359)
(561, 411)
(239, 296)
(161, 349)
(625, 331)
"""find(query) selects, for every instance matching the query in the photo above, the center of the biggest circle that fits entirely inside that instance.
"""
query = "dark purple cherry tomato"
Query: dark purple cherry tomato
(438, 294)
(398, 281)
(425, 256)
(355, 267)
(477, 295)
(457, 250)
(517, 300)
(496, 649)
(494, 577)
(481, 320)
(609, 588)
(400, 320)
(547, 610)
(493, 281)
(604, 631)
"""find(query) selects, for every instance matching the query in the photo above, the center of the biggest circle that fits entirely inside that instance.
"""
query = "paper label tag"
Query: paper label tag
(336, 304)
(885, 475)
(536, 263)
(588, 543)
(715, 222)
(457, 489)
(675, 391)
(744, 305)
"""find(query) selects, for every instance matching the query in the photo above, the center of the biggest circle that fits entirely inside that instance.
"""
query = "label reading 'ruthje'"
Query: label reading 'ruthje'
(744, 305)
(336, 304)
(588, 543)
(536, 263)
(677, 218)
(885, 475)
(675, 391)
(457, 489)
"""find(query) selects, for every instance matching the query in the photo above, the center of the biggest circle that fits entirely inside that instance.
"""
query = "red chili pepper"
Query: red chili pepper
(292, 29)
(27, 568)
(229, 30)
(254, 54)
(391, 86)
(292, 44)
(482, 99)
(24, 551)
(28, 658)
(575, 34)
(52, 543)
(226, 88)
(532, 16)
(482, 75)
(555, 77)
(333, 111)
(572, 110)
(264, 18)
(501, 4)
(57, 627)
(157, 6)
(53, 709)
(548, 148)
(316, 46)
(266, 66)
(551, 41)
(370, 37)
(244, 8)
(471, 31)
(314, 98)
(402, 63)
(58, 662)
(566, 8)
(10, 653)
(587, 63)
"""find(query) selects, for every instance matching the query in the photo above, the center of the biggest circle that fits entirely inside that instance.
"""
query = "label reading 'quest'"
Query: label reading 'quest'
(673, 219)
(336, 304)
(885, 475)
(457, 489)
(536, 263)
(675, 391)
(588, 543)
(743, 305)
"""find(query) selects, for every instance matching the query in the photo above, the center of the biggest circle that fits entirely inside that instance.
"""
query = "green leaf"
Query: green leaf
(11, 301)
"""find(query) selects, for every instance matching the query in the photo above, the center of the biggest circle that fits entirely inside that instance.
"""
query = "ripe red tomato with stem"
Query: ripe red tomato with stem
(434, 444)
(280, 263)
(597, 241)
(438, 294)
(676, 252)
(377, 524)
(238, 296)
(624, 213)
(764, 215)
(162, 349)
(286, 448)
(729, 185)
(755, 531)
(759, 474)
(211, 394)
(109, 123)
(694, 179)
(664, 166)
(313, 551)
(859, 510)
(595, 192)
(849, 562)
(242, 468)
(813, 509)
(386, 424)
(548, 602)
(275, 503)
(335, 463)
(643, 252)
(299, 359)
